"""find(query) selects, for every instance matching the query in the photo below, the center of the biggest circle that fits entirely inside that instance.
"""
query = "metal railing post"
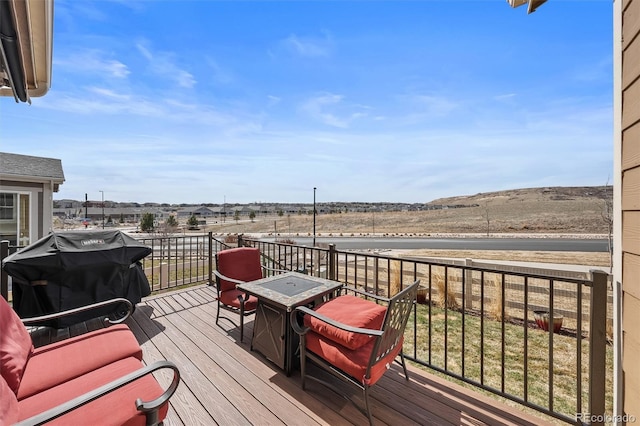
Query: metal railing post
(240, 244)
(4, 277)
(210, 275)
(598, 345)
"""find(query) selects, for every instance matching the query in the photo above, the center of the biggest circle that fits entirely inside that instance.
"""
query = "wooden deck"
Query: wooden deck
(225, 383)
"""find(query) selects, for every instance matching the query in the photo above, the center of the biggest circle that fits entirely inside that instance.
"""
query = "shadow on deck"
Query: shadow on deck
(225, 383)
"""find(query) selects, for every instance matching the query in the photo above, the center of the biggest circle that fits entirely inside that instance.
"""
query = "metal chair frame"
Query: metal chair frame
(387, 338)
(241, 298)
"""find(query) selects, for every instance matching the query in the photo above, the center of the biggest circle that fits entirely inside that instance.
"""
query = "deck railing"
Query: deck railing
(474, 323)
(180, 260)
(485, 326)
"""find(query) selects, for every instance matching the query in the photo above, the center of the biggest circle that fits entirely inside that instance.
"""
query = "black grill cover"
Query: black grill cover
(69, 269)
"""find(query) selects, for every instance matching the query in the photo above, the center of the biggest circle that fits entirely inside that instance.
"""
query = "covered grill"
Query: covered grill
(69, 269)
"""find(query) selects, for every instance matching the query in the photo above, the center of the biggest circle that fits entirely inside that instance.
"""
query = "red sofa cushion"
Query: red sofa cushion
(67, 359)
(242, 263)
(352, 362)
(8, 404)
(230, 297)
(15, 346)
(116, 408)
(349, 310)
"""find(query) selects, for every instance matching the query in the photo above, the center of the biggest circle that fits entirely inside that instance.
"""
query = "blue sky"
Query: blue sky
(241, 101)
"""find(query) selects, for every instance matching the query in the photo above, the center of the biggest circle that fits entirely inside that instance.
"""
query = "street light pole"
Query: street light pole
(314, 216)
(102, 192)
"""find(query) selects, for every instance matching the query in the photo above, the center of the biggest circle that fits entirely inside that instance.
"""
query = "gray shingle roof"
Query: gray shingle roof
(29, 166)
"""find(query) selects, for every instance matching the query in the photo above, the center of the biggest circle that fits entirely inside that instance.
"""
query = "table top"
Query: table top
(290, 289)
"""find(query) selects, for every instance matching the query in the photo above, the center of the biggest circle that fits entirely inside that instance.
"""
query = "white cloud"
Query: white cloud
(273, 100)
(108, 93)
(340, 115)
(435, 105)
(163, 64)
(307, 46)
(92, 61)
(219, 74)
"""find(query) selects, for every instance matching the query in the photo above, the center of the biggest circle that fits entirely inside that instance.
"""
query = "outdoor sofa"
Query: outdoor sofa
(94, 378)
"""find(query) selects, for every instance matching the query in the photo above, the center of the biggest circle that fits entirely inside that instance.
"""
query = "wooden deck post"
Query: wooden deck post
(332, 262)
(598, 345)
(468, 284)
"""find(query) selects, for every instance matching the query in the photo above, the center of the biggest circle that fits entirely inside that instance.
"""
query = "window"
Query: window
(15, 223)
(7, 206)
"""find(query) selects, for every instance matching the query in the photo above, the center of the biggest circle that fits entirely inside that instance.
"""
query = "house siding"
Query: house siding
(630, 206)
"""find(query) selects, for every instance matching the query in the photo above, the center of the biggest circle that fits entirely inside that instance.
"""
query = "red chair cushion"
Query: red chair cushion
(242, 263)
(115, 408)
(349, 310)
(67, 359)
(8, 404)
(15, 346)
(352, 362)
(230, 297)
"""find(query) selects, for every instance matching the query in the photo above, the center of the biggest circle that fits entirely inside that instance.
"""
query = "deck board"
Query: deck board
(223, 382)
(234, 385)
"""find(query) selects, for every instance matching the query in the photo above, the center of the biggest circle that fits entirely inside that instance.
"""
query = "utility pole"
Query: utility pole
(102, 192)
(314, 216)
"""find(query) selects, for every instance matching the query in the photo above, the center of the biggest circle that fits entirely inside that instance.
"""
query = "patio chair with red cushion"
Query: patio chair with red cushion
(354, 338)
(236, 266)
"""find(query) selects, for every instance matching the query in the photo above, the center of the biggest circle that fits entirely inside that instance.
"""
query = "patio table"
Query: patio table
(278, 295)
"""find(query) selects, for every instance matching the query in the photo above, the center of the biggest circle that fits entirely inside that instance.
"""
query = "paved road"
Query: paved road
(527, 244)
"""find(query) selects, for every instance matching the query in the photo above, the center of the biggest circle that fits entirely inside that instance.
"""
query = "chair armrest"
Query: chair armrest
(300, 329)
(266, 268)
(223, 277)
(365, 293)
(84, 399)
(29, 321)
(233, 280)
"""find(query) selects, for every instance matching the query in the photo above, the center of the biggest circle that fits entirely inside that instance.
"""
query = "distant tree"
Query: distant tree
(147, 222)
(252, 215)
(172, 222)
(236, 216)
(169, 226)
(121, 217)
(280, 213)
(109, 219)
(192, 222)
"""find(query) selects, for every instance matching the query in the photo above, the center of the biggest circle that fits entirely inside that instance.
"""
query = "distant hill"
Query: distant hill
(553, 193)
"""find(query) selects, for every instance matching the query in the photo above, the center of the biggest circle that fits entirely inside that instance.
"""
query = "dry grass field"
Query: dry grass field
(534, 212)
(562, 210)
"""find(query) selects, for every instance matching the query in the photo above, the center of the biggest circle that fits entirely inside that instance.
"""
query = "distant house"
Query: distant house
(200, 211)
(27, 185)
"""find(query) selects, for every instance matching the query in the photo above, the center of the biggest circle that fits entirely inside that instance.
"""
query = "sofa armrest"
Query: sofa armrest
(35, 320)
(301, 329)
(150, 408)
